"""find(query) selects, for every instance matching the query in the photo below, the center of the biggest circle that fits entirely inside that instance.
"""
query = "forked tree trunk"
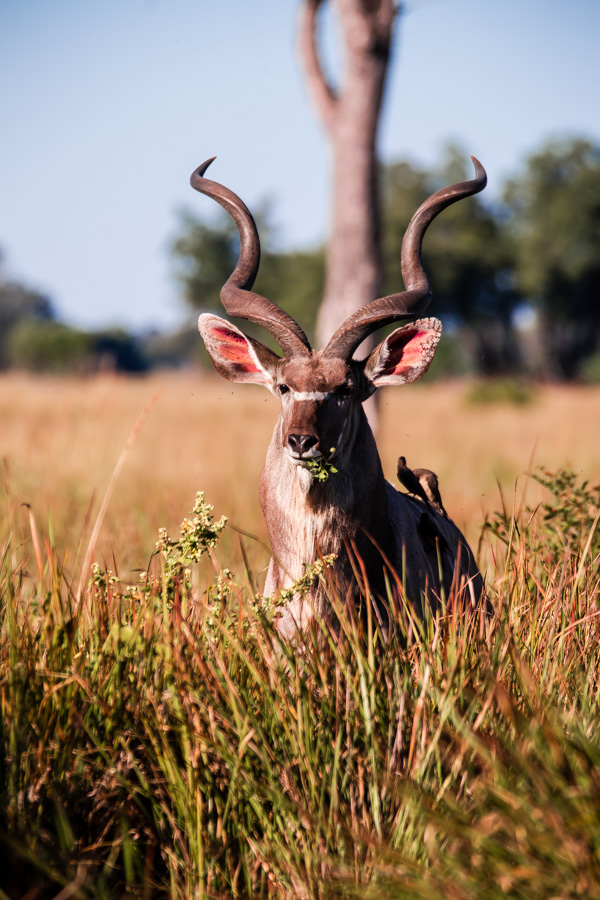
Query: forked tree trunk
(350, 115)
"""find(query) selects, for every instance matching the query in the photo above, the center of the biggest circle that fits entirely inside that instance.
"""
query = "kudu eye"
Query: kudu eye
(283, 389)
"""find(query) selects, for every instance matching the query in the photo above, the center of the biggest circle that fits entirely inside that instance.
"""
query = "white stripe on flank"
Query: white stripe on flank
(310, 395)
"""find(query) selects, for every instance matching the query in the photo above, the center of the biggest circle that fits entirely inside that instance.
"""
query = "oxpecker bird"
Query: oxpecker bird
(427, 481)
(410, 481)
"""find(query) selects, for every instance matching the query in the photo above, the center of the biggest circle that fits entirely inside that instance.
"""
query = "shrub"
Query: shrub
(48, 347)
(54, 347)
(500, 390)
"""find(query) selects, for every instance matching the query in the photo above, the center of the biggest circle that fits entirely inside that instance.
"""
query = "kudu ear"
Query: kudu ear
(235, 356)
(405, 354)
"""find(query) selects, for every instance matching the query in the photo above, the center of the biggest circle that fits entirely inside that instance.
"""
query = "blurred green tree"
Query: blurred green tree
(555, 218)
(205, 255)
(469, 258)
(50, 346)
(31, 338)
(19, 304)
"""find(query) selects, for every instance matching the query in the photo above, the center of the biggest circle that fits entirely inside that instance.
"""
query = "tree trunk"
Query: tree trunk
(350, 116)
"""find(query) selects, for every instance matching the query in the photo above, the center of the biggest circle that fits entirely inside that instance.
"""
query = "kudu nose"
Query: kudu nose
(301, 443)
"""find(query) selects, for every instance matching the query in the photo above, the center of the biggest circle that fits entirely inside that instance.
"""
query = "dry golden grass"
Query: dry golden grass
(61, 439)
(475, 447)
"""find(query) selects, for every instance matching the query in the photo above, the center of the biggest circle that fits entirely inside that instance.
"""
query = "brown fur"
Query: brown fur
(354, 514)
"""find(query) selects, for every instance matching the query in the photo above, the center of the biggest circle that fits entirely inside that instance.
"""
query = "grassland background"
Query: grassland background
(60, 439)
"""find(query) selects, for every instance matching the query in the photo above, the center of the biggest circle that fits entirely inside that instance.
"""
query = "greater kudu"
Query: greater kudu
(377, 534)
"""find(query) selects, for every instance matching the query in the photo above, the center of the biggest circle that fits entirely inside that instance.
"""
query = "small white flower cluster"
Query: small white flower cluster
(197, 535)
(312, 572)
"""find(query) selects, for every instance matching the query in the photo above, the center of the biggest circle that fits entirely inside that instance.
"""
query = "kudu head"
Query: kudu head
(322, 392)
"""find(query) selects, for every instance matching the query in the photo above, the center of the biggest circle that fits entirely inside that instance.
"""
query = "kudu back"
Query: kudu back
(385, 542)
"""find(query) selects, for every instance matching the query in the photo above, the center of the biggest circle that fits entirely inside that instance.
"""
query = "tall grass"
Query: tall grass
(159, 740)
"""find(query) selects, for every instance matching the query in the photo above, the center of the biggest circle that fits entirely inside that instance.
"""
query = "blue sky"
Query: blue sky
(108, 106)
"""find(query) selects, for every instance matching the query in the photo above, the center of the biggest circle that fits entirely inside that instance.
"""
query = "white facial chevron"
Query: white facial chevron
(310, 395)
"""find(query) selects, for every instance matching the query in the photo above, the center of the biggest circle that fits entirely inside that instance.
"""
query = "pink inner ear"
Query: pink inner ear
(234, 347)
(407, 350)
